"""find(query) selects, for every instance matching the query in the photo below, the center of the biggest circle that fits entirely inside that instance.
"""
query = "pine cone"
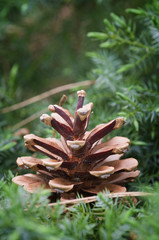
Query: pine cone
(80, 162)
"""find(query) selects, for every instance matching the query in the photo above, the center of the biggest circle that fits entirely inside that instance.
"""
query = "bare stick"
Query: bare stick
(29, 119)
(46, 95)
(94, 198)
(62, 100)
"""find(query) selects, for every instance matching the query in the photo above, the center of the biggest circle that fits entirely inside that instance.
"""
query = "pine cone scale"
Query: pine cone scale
(111, 187)
(63, 113)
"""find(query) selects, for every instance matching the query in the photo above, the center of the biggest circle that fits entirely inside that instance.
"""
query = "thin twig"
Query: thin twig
(62, 100)
(94, 198)
(46, 95)
(29, 119)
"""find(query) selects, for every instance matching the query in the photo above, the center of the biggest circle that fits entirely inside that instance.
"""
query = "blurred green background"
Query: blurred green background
(43, 42)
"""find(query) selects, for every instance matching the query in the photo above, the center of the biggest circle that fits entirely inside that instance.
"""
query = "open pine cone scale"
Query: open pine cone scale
(80, 162)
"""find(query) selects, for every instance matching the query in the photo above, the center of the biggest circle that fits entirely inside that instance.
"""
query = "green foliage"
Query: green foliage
(17, 221)
(127, 75)
(11, 147)
(27, 216)
(43, 44)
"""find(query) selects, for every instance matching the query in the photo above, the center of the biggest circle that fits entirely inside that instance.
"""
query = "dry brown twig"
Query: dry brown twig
(28, 119)
(40, 97)
(46, 95)
(36, 115)
(94, 198)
